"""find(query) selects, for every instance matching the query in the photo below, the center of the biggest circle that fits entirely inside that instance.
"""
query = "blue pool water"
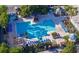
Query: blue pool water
(35, 30)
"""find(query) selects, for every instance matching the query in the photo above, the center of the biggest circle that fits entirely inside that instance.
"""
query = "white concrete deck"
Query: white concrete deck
(75, 21)
(60, 30)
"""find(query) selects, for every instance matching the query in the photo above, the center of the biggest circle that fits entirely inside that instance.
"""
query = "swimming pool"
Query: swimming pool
(35, 30)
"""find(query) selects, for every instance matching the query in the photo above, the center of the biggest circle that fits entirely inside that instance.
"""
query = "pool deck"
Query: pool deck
(75, 21)
(12, 35)
(58, 26)
(60, 30)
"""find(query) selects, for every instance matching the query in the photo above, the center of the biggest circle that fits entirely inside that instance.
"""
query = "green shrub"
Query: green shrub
(66, 37)
(70, 48)
(4, 48)
(16, 50)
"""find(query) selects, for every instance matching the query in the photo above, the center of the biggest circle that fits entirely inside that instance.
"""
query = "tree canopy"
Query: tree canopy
(3, 16)
(16, 50)
(72, 11)
(4, 48)
(3, 8)
(38, 9)
(70, 48)
(26, 10)
(3, 19)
